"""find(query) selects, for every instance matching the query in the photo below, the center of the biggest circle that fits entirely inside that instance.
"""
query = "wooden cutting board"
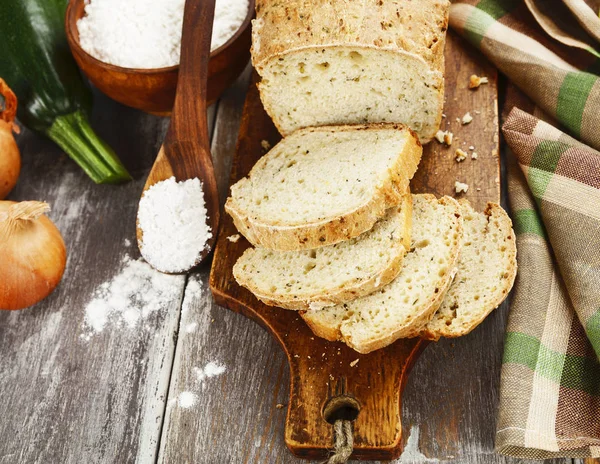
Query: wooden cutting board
(320, 369)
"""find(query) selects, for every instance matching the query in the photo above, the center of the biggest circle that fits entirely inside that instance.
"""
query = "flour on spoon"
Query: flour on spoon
(173, 220)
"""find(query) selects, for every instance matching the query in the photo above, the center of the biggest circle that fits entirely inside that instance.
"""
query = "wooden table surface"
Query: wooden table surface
(112, 398)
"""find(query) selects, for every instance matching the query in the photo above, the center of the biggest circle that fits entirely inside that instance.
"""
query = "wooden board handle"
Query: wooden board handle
(321, 370)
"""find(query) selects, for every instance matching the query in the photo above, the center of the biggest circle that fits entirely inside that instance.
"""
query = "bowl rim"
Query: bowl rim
(148, 71)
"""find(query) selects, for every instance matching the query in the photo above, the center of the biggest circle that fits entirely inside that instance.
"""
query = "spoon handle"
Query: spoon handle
(188, 121)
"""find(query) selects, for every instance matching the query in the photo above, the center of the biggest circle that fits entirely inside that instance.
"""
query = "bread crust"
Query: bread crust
(409, 29)
(416, 323)
(492, 211)
(338, 228)
(344, 294)
(416, 27)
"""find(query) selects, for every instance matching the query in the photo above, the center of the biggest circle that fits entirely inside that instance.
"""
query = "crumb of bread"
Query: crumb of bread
(460, 155)
(460, 187)
(444, 137)
(448, 136)
(471, 147)
(443, 115)
(457, 119)
(467, 118)
(279, 406)
(265, 144)
(234, 238)
(354, 363)
(474, 155)
(478, 189)
(475, 81)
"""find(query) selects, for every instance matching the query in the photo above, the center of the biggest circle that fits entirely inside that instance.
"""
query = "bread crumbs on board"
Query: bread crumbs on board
(475, 81)
(460, 155)
(234, 238)
(461, 187)
(266, 146)
(444, 137)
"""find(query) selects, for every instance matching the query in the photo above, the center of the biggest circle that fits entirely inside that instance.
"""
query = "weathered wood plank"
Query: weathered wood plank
(64, 399)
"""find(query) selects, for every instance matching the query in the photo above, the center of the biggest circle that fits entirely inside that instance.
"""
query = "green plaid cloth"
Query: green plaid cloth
(550, 387)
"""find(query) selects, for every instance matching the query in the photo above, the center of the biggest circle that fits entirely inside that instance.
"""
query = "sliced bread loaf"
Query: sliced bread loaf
(487, 268)
(408, 302)
(335, 274)
(338, 62)
(320, 186)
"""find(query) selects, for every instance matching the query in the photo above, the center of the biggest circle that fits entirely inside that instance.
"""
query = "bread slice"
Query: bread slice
(335, 274)
(338, 62)
(408, 302)
(320, 186)
(487, 268)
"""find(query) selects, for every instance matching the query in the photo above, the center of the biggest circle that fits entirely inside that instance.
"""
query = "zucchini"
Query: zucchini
(35, 61)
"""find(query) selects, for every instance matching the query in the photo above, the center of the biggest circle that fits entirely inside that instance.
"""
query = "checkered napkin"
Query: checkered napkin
(550, 387)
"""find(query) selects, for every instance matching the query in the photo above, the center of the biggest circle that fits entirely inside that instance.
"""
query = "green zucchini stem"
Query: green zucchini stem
(73, 133)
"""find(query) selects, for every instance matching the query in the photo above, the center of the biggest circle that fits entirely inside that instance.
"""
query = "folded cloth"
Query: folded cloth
(550, 385)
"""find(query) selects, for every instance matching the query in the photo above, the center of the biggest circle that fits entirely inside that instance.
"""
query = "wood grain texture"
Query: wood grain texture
(64, 399)
(319, 369)
(185, 153)
(67, 401)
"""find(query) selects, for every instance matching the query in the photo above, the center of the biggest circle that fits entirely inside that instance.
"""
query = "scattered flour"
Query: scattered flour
(187, 399)
(212, 369)
(148, 34)
(127, 243)
(193, 291)
(130, 297)
(191, 327)
(173, 219)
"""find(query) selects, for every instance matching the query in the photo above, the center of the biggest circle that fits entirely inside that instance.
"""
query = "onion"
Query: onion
(32, 254)
(10, 159)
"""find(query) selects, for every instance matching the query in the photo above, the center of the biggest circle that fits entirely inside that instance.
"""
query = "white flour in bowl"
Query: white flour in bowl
(173, 219)
(147, 34)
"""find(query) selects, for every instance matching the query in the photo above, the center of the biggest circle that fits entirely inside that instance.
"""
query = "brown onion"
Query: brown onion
(32, 254)
(10, 158)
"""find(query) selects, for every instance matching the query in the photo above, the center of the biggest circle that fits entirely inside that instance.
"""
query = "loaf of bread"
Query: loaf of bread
(402, 307)
(325, 62)
(335, 274)
(487, 268)
(320, 186)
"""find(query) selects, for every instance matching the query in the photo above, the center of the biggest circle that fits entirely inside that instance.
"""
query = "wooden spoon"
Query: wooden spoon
(185, 152)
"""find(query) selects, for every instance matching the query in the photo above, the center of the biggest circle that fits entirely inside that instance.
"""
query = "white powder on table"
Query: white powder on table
(146, 35)
(187, 399)
(212, 369)
(173, 219)
(135, 293)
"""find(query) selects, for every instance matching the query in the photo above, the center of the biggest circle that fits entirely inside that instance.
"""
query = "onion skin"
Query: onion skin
(33, 262)
(10, 160)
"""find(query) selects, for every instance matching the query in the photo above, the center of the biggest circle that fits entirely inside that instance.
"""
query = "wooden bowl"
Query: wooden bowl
(153, 90)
